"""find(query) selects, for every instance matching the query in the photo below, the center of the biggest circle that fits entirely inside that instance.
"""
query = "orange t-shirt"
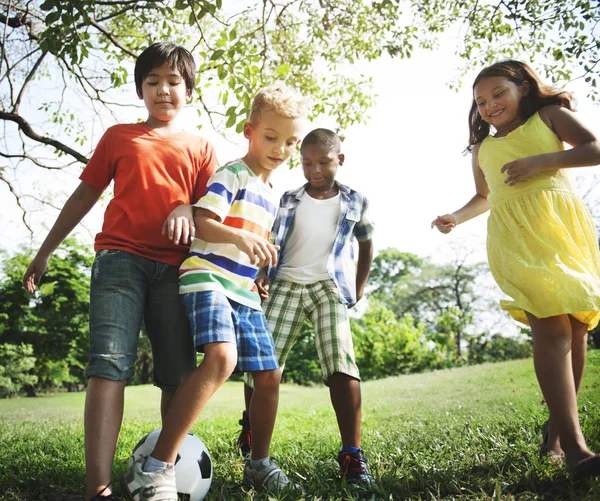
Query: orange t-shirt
(153, 174)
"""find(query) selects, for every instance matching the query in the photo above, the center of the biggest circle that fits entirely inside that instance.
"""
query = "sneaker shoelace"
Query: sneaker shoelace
(354, 464)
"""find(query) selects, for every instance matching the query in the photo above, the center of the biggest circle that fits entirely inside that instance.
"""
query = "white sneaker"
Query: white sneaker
(143, 486)
(268, 476)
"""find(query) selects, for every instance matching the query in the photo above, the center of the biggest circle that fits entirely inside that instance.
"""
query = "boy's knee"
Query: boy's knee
(267, 379)
(222, 357)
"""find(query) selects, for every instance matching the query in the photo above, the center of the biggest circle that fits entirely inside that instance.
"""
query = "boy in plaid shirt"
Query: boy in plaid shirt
(316, 278)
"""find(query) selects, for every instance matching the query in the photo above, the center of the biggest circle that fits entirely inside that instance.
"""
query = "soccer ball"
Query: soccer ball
(193, 467)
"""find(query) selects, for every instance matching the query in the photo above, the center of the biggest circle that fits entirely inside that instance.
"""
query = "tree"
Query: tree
(443, 297)
(61, 60)
(54, 321)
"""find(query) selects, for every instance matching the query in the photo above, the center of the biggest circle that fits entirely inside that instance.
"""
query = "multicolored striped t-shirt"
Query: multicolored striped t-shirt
(241, 200)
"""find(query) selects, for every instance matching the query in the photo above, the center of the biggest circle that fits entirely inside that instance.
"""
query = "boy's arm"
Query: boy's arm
(77, 206)
(263, 282)
(365, 256)
(210, 229)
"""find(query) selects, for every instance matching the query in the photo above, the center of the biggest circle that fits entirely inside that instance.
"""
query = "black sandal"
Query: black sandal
(586, 468)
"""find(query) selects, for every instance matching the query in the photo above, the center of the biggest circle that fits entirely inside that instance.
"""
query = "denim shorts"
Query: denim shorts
(214, 318)
(128, 292)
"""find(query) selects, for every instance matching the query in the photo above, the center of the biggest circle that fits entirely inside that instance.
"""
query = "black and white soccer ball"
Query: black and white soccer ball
(193, 467)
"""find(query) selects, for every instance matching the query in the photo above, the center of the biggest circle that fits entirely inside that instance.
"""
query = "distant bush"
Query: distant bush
(16, 363)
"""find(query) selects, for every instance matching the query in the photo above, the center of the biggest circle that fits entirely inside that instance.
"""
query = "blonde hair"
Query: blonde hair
(281, 99)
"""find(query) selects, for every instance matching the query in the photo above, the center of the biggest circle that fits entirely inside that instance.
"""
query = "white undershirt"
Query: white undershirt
(310, 240)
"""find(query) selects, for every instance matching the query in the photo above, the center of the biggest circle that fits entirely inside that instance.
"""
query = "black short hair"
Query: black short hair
(323, 138)
(176, 56)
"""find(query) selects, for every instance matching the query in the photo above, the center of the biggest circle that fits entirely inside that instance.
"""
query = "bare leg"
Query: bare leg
(345, 396)
(248, 391)
(165, 402)
(192, 395)
(578, 350)
(578, 361)
(102, 421)
(552, 339)
(263, 410)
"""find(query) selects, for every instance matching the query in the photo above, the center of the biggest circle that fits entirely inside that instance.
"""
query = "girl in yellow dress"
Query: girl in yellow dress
(542, 243)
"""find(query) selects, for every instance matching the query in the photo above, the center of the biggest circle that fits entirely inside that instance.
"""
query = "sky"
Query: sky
(407, 159)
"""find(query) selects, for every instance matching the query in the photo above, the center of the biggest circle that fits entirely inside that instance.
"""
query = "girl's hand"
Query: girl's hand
(179, 225)
(263, 283)
(445, 223)
(521, 169)
(260, 251)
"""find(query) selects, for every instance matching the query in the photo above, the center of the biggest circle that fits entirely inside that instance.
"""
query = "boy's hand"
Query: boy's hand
(179, 225)
(445, 223)
(260, 251)
(34, 272)
(263, 283)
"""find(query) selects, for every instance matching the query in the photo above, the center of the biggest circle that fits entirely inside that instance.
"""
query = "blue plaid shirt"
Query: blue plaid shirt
(353, 222)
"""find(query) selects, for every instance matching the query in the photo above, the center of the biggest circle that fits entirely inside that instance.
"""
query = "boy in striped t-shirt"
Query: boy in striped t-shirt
(232, 229)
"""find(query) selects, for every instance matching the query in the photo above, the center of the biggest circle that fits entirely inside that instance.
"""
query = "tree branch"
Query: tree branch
(31, 134)
(17, 198)
(36, 161)
(111, 37)
(27, 80)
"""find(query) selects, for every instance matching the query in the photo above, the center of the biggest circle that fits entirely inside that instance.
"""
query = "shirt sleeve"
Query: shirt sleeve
(220, 192)
(363, 231)
(100, 170)
(208, 165)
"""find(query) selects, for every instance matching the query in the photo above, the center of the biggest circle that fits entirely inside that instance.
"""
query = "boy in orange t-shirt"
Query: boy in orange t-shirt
(156, 167)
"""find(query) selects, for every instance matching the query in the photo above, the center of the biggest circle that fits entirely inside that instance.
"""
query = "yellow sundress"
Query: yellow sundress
(542, 244)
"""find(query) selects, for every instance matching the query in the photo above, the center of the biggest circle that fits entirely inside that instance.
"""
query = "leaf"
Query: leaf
(217, 54)
(283, 69)
(52, 17)
(49, 5)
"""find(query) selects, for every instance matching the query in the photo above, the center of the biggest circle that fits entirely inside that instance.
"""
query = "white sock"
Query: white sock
(152, 465)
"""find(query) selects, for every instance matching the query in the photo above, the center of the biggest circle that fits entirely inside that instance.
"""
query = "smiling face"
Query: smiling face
(164, 93)
(498, 102)
(272, 139)
(320, 167)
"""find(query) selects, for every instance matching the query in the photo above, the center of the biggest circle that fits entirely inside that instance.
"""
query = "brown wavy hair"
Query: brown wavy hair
(540, 94)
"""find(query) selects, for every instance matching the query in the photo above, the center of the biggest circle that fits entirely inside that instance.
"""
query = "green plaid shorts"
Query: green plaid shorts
(290, 304)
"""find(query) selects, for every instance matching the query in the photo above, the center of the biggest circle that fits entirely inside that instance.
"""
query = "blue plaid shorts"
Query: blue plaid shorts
(216, 318)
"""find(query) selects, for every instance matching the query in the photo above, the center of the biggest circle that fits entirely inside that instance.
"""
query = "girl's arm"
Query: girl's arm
(474, 207)
(585, 149)
(209, 228)
(77, 206)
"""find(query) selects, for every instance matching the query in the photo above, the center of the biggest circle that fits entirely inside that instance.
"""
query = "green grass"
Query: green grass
(469, 433)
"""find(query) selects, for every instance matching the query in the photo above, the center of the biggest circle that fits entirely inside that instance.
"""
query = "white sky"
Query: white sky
(407, 159)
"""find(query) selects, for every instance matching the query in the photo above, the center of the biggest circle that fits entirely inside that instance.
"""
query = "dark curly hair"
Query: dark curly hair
(540, 94)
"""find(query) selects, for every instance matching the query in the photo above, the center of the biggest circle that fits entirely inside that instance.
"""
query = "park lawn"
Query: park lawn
(466, 433)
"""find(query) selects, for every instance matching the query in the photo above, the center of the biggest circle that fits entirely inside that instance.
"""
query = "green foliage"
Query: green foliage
(443, 297)
(55, 320)
(495, 348)
(386, 346)
(16, 365)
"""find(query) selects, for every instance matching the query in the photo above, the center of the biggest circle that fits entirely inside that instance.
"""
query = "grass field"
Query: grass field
(469, 433)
